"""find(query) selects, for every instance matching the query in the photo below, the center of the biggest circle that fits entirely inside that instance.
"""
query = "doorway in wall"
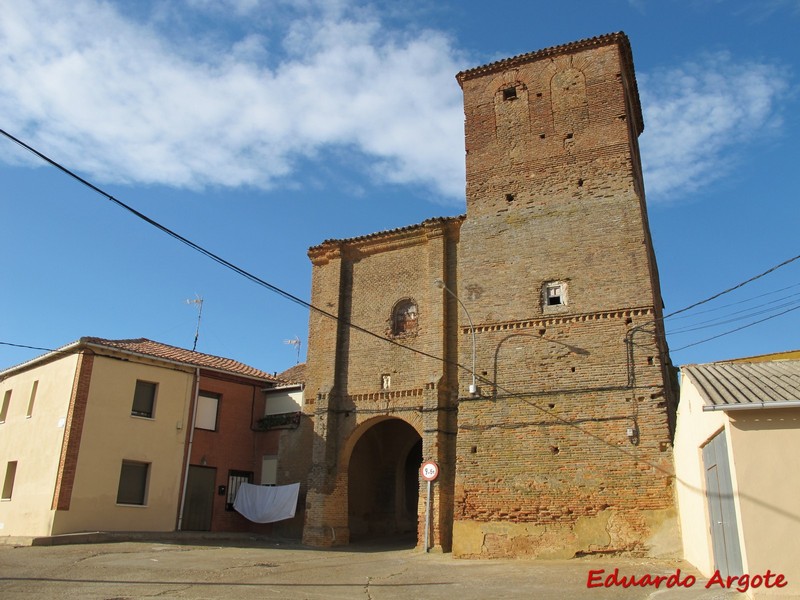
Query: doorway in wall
(198, 509)
(383, 482)
(721, 507)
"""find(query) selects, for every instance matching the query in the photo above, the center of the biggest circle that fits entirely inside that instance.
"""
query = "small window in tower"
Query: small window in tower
(555, 294)
(510, 93)
(404, 317)
(386, 381)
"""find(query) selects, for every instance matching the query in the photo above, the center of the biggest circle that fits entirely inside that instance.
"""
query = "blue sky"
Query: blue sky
(258, 129)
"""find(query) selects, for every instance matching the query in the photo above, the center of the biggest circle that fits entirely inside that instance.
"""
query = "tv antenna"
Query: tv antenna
(295, 341)
(197, 301)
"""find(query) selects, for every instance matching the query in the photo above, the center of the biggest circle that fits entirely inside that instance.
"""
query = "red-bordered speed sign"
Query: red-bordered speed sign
(429, 470)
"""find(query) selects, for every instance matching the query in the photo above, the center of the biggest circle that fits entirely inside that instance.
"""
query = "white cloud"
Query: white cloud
(702, 118)
(114, 98)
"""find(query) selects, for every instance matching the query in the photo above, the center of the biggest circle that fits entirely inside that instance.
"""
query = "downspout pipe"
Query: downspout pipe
(193, 408)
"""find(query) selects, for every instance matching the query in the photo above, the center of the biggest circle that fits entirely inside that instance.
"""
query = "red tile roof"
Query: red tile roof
(145, 347)
(295, 374)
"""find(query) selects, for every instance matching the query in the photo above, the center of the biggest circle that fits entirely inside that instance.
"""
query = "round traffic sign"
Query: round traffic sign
(429, 470)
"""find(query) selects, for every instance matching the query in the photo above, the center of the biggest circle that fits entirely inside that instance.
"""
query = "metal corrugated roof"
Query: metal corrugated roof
(747, 385)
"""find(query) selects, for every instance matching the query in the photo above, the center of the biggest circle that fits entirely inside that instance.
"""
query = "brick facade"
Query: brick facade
(71, 444)
(539, 461)
(234, 445)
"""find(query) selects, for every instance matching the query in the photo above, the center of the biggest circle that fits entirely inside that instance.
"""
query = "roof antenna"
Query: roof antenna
(198, 301)
(295, 342)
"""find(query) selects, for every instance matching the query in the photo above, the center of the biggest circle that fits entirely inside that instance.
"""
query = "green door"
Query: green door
(199, 505)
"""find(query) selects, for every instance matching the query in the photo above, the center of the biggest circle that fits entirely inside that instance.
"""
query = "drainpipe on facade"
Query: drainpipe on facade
(193, 408)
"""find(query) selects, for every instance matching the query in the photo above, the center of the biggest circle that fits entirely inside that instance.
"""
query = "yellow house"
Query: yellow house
(736, 443)
(93, 436)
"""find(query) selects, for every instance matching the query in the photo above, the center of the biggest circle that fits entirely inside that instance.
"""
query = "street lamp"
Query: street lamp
(473, 388)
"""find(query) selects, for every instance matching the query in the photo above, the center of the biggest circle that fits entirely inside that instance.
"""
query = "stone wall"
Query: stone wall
(566, 447)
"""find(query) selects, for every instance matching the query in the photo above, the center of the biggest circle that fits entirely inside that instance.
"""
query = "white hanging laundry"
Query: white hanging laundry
(266, 504)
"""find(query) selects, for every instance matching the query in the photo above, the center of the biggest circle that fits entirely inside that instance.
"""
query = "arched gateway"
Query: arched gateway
(382, 486)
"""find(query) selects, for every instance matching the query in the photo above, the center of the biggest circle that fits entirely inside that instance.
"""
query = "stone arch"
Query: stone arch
(381, 458)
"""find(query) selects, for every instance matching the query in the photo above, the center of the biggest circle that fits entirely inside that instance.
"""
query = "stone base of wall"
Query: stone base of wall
(326, 537)
(651, 533)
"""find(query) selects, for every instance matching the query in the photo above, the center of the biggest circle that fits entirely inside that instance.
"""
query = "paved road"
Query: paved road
(244, 569)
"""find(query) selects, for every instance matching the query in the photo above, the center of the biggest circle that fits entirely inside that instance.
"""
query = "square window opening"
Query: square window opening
(555, 294)
(144, 399)
(510, 93)
(133, 481)
(207, 411)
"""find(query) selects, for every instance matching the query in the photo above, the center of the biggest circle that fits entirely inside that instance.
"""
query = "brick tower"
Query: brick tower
(567, 448)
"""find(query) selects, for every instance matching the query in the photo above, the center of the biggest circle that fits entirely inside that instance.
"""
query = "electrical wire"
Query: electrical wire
(735, 287)
(732, 317)
(295, 299)
(735, 330)
(758, 298)
(218, 259)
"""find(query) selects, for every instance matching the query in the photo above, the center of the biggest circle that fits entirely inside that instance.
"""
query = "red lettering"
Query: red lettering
(780, 581)
(675, 579)
(659, 580)
(626, 582)
(731, 580)
(716, 578)
(744, 582)
(594, 576)
(611, 580)
(767, 576)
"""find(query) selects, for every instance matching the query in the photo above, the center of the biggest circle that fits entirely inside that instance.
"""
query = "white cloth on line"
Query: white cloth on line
(267, 504)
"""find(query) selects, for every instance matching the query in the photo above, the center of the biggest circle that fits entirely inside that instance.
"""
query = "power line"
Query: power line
(731, 289)
(295, 299)
(738, 315)
(735, 330)
(218, 259)
(759, 298)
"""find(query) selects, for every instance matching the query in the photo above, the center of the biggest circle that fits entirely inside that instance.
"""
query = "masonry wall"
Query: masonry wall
(234, 445)
(565, 449)
(545, 466)
(34, 442)
(111, 434)
(347, 367)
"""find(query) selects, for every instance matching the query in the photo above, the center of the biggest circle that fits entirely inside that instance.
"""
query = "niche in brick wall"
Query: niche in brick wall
(405, 318)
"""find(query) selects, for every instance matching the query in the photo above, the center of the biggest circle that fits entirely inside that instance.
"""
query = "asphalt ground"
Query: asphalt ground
(258, 568)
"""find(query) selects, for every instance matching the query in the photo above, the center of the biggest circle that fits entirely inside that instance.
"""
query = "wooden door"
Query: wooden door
(198, 510)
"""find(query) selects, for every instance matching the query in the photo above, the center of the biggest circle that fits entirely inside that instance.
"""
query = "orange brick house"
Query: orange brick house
(133, 435)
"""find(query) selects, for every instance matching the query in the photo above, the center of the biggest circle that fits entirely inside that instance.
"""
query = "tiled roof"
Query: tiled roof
(295, 374)
(153, 349)
(600, 40)
(389, 232)
(727, 385)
